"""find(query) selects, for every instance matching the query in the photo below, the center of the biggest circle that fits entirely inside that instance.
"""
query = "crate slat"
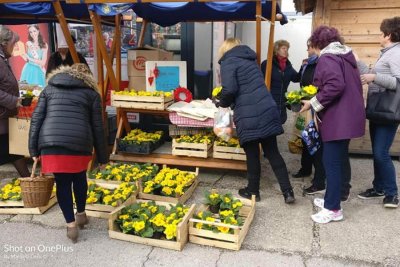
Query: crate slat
(141, 102)
(19, 207)
(224, 152)
(191, 149)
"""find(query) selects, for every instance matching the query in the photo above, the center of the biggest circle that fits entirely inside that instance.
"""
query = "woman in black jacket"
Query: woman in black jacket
(256, 115)
(65, 126)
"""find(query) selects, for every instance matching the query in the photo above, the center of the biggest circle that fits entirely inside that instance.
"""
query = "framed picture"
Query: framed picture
(165, 75)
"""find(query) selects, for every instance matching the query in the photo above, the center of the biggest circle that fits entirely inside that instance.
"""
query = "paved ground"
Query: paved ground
(280, 235)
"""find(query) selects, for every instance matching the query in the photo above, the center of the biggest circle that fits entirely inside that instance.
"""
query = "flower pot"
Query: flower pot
(26, 102)
(157, 191)
(295, 107)
(158, 235)
(214, 208)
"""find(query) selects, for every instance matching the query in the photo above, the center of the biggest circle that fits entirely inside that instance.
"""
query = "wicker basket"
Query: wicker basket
(294, 146)
(36, 191)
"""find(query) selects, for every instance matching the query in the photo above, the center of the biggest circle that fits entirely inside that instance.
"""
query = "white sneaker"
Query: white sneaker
(319, 202)
(325, 216)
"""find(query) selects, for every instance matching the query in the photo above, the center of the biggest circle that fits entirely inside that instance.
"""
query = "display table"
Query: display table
(163, 155)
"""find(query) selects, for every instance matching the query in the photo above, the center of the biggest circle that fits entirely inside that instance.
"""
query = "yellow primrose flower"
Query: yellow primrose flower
(310, 89)
(170, 231)
(199, 225)
(123, 217)
(226, 213)
(223, 229)
(139, 226)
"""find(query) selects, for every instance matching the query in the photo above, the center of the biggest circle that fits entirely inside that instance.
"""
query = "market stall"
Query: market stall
(98, 12)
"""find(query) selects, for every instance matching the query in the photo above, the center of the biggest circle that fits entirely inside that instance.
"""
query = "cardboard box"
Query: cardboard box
(138, 83)
(18, 136)
(137, 59)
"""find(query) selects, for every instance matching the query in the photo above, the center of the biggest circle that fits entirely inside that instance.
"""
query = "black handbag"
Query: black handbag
(384, 107)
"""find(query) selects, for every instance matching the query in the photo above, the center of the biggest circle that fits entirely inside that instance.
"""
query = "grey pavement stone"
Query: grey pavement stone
(21, 218)
(94, 247)
(193, 255)
(245, 258)
(369, 232)
(3, 218)
(269, 231)
(317, 262)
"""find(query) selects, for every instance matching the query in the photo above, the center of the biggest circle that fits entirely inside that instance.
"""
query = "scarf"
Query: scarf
(282, 62)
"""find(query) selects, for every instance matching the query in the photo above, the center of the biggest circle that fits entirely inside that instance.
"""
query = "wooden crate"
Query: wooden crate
(182, 199)
(141, 102)
(17, 207)
(229, 241)
(181, 237)
(225, 152)
(104, 211)
(191, 149)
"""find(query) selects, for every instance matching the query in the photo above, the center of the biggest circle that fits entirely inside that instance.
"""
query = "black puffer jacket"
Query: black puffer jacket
(256, 115)
(68, 115)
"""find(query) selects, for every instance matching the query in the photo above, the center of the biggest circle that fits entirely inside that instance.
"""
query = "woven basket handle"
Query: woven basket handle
(34, 168)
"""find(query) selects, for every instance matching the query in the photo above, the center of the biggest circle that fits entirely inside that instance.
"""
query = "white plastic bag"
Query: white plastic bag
(223, 124)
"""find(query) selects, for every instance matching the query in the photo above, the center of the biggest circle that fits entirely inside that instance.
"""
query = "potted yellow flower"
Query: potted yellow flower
(308, 92)
(293, 98)
(27, 99)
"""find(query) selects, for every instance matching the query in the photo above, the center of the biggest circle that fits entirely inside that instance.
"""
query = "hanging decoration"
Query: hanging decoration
(156, 71)
(182, 94)
(150, 79)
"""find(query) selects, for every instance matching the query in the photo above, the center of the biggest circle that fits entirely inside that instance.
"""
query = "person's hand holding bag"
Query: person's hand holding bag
(223, 124)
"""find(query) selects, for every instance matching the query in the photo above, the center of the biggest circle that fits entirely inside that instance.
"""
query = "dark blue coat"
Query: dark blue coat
(256, 115)
(280, 82)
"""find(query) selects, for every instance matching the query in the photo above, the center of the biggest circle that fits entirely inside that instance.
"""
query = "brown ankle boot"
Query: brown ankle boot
(72, 233)
(81, 220)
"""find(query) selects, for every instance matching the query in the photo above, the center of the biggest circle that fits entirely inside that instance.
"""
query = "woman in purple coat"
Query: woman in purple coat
(339, 106)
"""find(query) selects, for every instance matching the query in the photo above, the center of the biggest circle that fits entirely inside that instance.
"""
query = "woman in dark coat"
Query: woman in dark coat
(339, 105)
(255, 115)
(282, 74)
(9, 100)
(66, 125)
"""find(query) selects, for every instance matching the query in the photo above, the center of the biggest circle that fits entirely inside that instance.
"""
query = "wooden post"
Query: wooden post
(258, 30)
(100, 75)
(112, 55)
(268, 71)
(117, 41)
(102, 46)
(142, 32)
(64, 27)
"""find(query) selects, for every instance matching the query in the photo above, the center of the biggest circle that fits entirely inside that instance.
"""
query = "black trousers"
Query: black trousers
(65, 183)
(270, 148)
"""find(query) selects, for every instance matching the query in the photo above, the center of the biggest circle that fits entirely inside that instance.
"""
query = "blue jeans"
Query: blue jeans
(337, 169)
(382, 137)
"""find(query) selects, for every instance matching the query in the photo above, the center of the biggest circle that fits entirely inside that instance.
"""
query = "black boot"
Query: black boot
(301, 173)
(289, 196)
(245, 193)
